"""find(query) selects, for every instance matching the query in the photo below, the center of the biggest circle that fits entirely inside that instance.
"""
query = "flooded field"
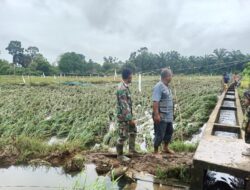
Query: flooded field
(43, 178)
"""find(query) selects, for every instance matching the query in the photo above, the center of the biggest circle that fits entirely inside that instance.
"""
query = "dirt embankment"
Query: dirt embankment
(170, 166)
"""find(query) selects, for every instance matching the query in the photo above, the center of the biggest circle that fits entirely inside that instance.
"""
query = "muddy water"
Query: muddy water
(227, 117)
(43, 178)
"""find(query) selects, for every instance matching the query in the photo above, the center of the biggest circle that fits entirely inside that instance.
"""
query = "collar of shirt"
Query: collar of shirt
(163, 83)
(125, 84)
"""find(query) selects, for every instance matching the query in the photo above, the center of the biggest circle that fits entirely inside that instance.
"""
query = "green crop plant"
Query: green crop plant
(82, 113)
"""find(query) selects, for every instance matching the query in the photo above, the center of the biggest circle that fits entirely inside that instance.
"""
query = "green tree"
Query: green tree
(32, 51)
(220, 55)
(5, 67)
(22, 59)
(246, 71)
(111, 64)
(42, 65)
(72, 63)
(14, 48)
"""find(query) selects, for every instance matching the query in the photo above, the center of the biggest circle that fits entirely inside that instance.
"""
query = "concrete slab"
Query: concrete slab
(224, 155)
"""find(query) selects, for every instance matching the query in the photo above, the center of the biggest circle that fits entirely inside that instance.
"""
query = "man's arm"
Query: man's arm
(156, 98)
(156, 114)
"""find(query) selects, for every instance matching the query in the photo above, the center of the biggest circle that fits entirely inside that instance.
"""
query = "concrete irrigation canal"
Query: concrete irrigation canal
(220, 149)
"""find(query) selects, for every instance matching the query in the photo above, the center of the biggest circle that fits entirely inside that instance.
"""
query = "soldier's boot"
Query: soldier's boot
(246, 152)
(120, 156)
(131, 142)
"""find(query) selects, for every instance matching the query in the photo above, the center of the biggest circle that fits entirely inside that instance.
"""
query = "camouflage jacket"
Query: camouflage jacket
(124, 103)
(246, 124)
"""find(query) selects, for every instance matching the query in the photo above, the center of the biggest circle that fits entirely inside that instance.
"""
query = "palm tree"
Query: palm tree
(220, 55)
(236, 55)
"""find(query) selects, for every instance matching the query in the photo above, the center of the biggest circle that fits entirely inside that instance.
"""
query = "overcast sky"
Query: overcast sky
(98, 28)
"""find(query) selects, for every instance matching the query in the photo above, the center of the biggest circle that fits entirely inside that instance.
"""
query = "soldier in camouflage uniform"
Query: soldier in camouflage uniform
(126, 124)
(246, 122)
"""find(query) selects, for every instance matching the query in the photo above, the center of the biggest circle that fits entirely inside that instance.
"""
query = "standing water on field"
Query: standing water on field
(44, 178)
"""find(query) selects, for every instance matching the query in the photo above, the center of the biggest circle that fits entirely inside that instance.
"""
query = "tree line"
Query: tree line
(31, 62)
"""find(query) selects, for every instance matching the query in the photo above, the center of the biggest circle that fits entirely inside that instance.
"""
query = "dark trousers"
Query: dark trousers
(163, 133)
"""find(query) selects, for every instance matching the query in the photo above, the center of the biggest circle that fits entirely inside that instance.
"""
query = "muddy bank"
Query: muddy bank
(73, 161)
(146, 162)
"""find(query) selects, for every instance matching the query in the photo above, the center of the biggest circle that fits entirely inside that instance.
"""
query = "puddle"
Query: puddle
(222, 181)
(227, 103)
(142, 185)
(226, 134)
(145, 183)
(227, 117)
(28, 178)
(43, 178)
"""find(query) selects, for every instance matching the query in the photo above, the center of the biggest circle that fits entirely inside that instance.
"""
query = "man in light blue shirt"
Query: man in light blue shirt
(163, 111)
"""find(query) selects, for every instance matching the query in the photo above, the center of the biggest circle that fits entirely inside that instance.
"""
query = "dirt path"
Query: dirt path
(144, 163)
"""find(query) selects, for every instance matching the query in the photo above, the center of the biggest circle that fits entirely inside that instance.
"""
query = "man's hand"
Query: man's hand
(157, 118)
(131, 123)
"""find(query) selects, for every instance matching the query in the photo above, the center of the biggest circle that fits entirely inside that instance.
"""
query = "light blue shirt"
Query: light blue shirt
(163, 94)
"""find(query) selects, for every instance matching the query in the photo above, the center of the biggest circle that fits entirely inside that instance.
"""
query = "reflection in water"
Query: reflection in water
(222, 181)
(29, 178)
(149, 186)
(43, 178)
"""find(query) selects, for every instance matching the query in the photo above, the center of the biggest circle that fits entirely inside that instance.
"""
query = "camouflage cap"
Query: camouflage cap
(247, 94)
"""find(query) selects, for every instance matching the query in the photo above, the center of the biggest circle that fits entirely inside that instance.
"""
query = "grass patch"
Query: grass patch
(32, 148)
(180, 146)
(180, 172)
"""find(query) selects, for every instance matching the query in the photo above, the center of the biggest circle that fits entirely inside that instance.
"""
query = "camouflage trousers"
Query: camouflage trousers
(125, 132)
